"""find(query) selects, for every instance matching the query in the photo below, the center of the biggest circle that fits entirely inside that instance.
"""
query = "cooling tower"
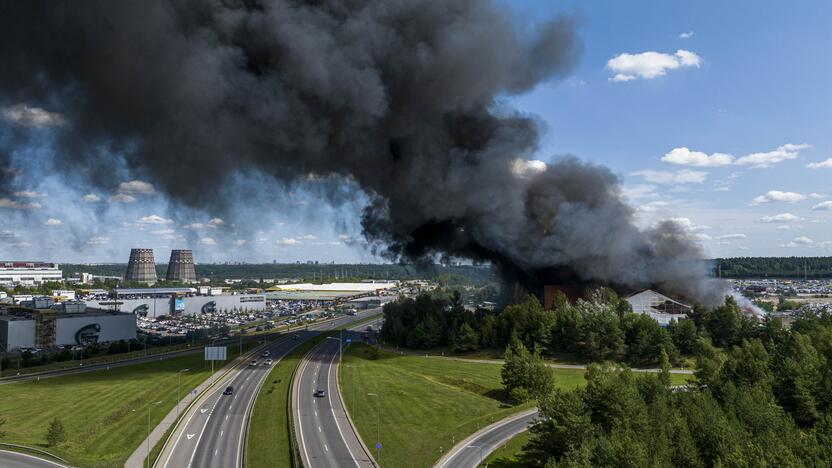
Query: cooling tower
(181, 266)
(141, 266)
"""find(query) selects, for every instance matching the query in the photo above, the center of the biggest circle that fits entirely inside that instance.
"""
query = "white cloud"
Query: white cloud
(777, 196)
(521, 167)
(53, 222)
(763, 160)
(28, 194)
(196, 226)
(122, 198)
(780, 218)
(164, 232)
(685, 176)
(215, 222)
(649, 65)
(640, 191)
(827, 164)
(22, 114)
(731, 236)
(98, 240)
(686, 35)
(207, 241)
(154, 219)
(288, 241)
(308, 237)
(240, 242)
(803, 240)
(824, 206)
(687, 224)
(787, 227)
(136, 187)
(817, 196)
(16, 205)
(652, 206)
(686, 157)
(91, 198)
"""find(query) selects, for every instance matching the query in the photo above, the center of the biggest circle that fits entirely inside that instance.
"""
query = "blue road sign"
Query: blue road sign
(378, 445)
(349, 340)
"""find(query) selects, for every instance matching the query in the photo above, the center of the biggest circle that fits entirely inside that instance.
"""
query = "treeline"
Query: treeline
(774, 267)
(451, 275)
(766, 401)
(602, 328)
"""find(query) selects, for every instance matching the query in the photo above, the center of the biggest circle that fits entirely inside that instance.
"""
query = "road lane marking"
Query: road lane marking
(328, 384)
(190, 436)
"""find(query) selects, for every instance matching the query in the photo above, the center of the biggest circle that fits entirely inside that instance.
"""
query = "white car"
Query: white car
(268, 362)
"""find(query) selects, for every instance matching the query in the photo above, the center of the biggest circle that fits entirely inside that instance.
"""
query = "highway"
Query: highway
(325, 435)
(470, 452)
(10, 459)
(212, 433)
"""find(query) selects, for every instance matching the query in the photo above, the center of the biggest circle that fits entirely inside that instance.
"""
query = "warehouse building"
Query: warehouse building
(658, 306)
(65, 324)
(28, 273)
(156, 302)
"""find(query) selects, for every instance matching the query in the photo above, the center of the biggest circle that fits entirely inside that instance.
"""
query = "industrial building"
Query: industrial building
(141, 267)
(41, 323)
(181, 266)
(28, 273)
(658, 306)
(328, 291)
(156, 302)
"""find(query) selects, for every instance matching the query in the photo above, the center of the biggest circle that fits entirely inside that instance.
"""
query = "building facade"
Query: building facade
(29, 273)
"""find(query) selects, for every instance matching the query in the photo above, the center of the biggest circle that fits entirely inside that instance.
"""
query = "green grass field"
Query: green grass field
(268, 435)
(103, 412)
(427, 404)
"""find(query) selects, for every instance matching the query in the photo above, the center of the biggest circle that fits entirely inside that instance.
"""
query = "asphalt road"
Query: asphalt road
(325, 435)
(21, 460)
(470, 452)
(212, 434)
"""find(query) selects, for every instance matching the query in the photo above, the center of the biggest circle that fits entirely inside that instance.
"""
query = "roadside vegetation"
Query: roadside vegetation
(268, 443)
(102, 414)
(510, 454)
(427, 404)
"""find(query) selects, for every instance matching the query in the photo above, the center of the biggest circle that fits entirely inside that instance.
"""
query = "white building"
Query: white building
(658, 306)
(49, 328)
(29, 273)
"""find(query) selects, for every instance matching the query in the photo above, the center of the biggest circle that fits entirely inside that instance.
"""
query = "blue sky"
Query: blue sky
(734, 96)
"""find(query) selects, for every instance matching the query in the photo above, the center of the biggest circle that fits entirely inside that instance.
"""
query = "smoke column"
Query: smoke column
(401, 97)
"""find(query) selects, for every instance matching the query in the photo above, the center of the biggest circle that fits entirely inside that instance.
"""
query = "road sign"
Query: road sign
(349, 340)
(378, 445)
(215, 353)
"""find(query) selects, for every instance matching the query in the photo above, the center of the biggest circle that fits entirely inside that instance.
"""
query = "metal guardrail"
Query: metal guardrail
(34, 450)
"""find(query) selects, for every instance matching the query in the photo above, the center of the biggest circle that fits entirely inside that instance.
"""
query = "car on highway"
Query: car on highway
(266, 354)
(296, 337)
(253, 362)
(268, 362)
(228, 390)
(320, 393)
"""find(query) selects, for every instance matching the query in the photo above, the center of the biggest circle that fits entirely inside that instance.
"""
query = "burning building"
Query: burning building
(658, 306)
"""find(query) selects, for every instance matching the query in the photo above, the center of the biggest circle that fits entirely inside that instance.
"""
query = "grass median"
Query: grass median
(268, 443)
(427, 404)
(104, 412)
(509, 455)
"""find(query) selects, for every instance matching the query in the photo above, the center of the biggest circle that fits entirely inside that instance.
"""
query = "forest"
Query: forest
(773, 267)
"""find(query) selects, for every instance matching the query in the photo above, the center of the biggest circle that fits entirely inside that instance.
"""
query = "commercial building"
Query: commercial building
(28, 273)
(155, 302)
(328, 291)
(64, 324)
(658, 306)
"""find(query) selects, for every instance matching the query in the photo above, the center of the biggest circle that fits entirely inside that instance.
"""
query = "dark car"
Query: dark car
(296, 337)
(320, 393)
(228, 390)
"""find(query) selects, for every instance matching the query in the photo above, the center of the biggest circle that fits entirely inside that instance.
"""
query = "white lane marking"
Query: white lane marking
(326, 448)
(222, 432)
(226, 417)
(300, 421)
(215, 451)
(319, 429)
(203, 410)
(190, 436)
(328, 389)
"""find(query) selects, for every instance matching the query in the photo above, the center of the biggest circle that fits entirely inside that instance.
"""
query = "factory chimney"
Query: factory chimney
(141, 266)
(181, 266)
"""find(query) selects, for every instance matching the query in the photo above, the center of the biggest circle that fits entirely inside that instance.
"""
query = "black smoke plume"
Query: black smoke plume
(402, 97)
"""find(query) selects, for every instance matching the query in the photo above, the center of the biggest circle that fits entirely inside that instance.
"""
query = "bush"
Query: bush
(55, 434)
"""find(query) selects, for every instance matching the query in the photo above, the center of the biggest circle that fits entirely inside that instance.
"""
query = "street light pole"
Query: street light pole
(147, 438)
(179, 389)
(378, 427)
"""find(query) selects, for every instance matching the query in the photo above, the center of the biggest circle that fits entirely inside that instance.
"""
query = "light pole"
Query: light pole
(340, 348)
(378, 427)
(147, 439)
(477, 447)
(179, 389)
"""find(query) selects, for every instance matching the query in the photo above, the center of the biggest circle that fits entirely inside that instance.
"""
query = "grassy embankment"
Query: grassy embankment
(104, 412)
(427, 404)
(508, 455)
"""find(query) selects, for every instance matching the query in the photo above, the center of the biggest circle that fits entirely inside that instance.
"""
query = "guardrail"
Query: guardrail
(293, 443)
(21, 448)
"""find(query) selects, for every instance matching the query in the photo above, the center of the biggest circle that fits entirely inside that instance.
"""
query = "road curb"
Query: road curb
(17, 448)
(349, 418)
(466, 441)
